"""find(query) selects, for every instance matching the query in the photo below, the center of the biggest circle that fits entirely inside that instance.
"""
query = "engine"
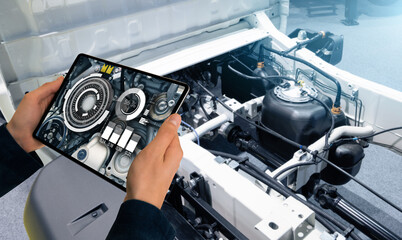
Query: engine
(250, 115)
(254, 89)
(260, 119)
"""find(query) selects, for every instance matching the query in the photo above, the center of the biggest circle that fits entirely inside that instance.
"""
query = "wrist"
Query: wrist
(16, 136)
(148, 199)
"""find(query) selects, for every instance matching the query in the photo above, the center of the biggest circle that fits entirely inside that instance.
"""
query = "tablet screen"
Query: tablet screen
(104, 114)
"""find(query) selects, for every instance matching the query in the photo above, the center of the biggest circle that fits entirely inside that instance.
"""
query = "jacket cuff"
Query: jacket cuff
(16, 164)
(140, 220)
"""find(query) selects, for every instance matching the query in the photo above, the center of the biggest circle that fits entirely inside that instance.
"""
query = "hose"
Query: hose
(332, 120)
(206, 127)
(321, 34)
(194, 131)
(242, 74)
(369, 136)
(228, 155)
(292, 167)
(268, 78)
(302, 147)
(337, 102)
(203, 109)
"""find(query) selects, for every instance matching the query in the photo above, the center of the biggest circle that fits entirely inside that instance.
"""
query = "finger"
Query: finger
(166, 133)
(46, 101)
(173, 155)
(48, 88)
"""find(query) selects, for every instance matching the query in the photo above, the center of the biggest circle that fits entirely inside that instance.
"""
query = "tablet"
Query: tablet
(104, 114)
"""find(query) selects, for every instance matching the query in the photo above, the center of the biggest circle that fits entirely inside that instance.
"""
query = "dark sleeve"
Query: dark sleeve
(140, 220)
(15, 164)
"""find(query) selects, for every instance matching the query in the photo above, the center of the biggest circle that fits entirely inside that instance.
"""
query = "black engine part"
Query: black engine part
(347, 156)
(328, 197)
(241, 88)
(303, 122)
(329, 48)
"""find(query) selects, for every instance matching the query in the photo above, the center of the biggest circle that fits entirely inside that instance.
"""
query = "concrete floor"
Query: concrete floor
(371, 50)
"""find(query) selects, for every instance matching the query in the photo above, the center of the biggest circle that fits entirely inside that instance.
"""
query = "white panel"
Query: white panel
(132, 144)
(108, 130)
(125, 137)
(228, 190)
(116, 135)
(203, 51)
(42, 40)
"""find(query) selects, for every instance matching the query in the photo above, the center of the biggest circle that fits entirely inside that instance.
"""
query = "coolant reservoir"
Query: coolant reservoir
(295, 116)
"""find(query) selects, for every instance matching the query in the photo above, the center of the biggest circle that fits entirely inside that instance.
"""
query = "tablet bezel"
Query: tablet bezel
(62, 88)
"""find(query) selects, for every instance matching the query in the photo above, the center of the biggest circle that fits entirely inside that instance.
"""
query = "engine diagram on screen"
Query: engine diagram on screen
(107, 114)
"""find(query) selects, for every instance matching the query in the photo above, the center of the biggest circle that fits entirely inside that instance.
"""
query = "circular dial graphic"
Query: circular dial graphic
(86, 103)
(130, 104)
(53, 131)
(160, 109)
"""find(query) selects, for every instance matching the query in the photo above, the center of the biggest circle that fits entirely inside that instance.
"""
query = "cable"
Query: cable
(360, 111)
(242, 74)
(244, 65)
(299, 45)
(251, 50)
(269, 78)
(355, 113)
(302, 147)
(266, 129)
(228, 155)
(321, 215)
(368, 136)
(337, 102)
(291, 167)
(322, 86)
(378, 133)
(272, 60)
(361, 183)
(192, 129)
(246, 76)
(326, 145)
(255, 172)
(287, 192)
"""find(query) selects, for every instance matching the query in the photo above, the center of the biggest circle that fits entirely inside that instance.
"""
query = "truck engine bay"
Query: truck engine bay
(296, 136)
(236, 111)
(269, 129)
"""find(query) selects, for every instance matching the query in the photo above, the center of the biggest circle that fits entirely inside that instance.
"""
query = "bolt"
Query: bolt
(171, 103)
(162, 105)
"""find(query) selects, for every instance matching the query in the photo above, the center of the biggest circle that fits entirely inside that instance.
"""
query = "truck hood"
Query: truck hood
(42, 37)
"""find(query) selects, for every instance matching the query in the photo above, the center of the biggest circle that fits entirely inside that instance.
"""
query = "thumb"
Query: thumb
(49, 88)
(167, 132)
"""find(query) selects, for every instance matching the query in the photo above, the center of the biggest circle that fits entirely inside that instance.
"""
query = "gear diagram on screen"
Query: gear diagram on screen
(106, 115)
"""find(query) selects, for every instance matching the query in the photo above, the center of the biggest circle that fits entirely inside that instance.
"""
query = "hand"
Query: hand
(29, 113)
(153, 169)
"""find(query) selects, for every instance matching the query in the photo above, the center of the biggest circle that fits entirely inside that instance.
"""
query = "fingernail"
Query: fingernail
(175, 119)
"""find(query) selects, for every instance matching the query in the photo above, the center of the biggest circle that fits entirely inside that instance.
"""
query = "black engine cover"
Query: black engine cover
(301, 122)
(347, 156)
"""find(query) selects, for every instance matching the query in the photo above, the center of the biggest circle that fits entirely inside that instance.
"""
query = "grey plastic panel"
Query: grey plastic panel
(49, 34)
(23, 18)
(69, 202)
